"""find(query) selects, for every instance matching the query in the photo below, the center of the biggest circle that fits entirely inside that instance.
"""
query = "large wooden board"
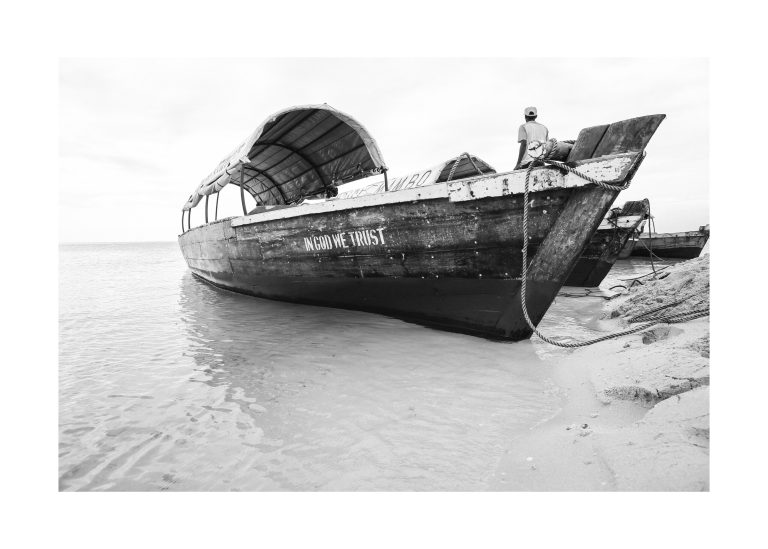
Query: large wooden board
(587, 142)
(628, 135)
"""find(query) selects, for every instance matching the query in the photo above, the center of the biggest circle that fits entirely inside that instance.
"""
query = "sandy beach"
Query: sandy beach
(635, 410)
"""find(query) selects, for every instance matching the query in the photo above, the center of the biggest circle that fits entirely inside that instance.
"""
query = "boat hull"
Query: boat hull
(460, 305)
(454, 265)
(679, 252)
(629, 246)
(590, 272)
(673, 245)
(607, 244)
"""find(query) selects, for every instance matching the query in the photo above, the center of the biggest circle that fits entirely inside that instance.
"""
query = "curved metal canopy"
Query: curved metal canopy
(295, 153)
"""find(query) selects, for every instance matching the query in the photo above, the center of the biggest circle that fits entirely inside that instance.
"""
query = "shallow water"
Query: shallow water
(166, 383)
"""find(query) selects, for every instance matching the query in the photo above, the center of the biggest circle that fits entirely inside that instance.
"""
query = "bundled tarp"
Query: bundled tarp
(295, 153)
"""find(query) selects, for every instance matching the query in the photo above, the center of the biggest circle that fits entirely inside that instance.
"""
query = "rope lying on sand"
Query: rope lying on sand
(637, 280)
(650, 313)
(646, 274)
(650, 321)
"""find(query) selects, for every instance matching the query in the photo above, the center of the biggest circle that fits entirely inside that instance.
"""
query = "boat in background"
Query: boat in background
(685, 245)
(629, 245)
(608, 242)
(446, 254)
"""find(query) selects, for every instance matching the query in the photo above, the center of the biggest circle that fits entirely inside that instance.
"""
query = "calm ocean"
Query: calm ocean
(166, 383)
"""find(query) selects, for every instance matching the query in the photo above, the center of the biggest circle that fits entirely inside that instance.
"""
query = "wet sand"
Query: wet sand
(635, 410)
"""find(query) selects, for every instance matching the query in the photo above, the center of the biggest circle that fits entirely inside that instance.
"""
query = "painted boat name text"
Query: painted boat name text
(367, 237)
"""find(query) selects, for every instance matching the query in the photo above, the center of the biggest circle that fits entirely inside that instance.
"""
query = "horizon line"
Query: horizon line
(116, 242)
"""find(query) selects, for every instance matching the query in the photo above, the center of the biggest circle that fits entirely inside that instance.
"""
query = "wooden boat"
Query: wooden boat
(685, 245)
(608, 242)
(629, 246)
(447, 254)
(603, 249)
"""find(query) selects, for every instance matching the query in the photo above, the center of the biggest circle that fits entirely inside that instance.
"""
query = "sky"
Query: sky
(136, 136)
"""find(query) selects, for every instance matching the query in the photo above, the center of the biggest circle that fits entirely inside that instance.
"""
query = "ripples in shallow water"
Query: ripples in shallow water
(167, 383)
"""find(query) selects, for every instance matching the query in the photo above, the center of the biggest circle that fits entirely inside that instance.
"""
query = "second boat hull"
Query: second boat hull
(608, 243)
(672, 245)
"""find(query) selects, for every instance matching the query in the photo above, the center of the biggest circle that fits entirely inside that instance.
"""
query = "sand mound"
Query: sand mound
(662, 360)
(689, 280)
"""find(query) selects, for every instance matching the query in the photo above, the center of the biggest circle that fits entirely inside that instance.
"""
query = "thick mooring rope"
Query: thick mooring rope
(651, 321)
(453, 169)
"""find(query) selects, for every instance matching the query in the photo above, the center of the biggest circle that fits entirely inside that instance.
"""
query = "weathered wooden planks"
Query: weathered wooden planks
(686, 245)
(628, 135)
(587, 142)
(480, 239)
(558, 253)
(606, 245)
(453, 264)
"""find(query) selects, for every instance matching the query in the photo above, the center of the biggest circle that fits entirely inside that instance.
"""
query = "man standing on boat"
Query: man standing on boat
(528, 132)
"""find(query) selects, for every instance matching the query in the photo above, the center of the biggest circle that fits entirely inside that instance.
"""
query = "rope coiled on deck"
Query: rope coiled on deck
(649, 321)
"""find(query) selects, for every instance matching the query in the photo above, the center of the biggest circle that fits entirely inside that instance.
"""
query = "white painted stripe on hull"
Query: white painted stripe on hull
(607, 168)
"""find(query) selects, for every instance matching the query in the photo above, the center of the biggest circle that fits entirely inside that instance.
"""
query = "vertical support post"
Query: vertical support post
(189, 219)
(206, 208)
(386, 181)
(182, 222)
(242, 190)
(216, 214)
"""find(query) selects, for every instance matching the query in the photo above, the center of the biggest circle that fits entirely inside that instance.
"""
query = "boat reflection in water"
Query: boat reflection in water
(311, 398)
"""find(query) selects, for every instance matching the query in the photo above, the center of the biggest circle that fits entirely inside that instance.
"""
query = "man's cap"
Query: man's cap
(531, 111)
